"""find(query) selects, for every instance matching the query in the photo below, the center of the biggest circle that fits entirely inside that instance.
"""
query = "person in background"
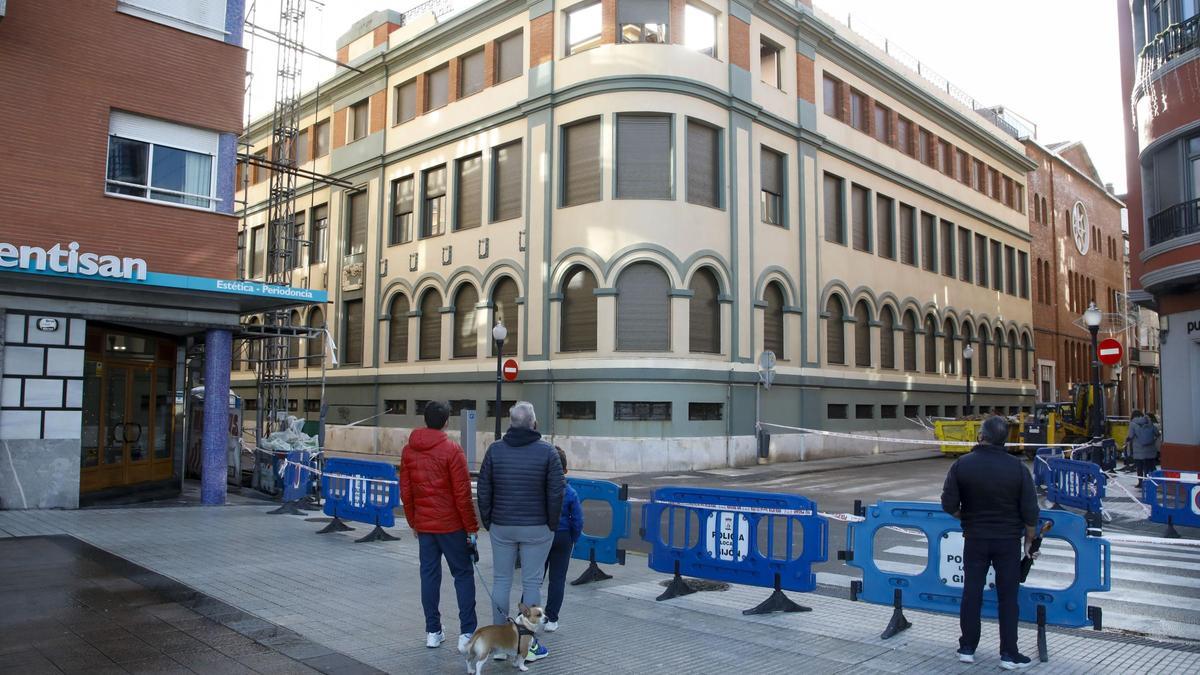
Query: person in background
(570, 528)
(991, 492)
(435, 488)
(1143, 440)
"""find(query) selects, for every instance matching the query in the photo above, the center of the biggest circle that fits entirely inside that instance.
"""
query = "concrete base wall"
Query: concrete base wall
(39, 474)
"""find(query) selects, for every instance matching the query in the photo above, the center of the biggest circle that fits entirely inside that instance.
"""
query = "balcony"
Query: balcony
(1170, 44)
(1174, 222)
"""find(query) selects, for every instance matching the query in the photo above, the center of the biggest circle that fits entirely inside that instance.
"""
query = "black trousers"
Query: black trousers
(1005, 556)
(1145, 466)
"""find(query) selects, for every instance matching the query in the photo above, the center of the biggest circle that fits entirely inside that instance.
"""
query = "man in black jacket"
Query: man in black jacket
(520, 500)
(992, 493)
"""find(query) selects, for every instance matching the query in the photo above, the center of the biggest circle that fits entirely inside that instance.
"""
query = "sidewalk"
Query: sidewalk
(362, 600)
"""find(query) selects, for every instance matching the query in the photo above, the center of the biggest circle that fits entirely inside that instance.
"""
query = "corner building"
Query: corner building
(648, 195)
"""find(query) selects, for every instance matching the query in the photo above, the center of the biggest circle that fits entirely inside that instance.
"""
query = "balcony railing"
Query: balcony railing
(1177, 221)
(1171, 43)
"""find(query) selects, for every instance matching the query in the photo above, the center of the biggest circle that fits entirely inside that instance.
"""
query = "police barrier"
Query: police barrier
(297, 482)
(751, 538)
(1174, 501)
(602, 549)
(938, 587)
(1104, 454)
(366, 492)
(1041, 464)
(1075, 483)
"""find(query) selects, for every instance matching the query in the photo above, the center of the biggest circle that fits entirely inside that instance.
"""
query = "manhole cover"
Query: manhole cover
(700, 584)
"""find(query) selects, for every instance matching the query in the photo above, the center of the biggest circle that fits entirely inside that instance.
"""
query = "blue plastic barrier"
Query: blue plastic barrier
(1041, 466)
(297, 481)
(1176, 501)
(606, 549)
(366, 492)
(730, 544)
(1076, 484)
(930, 590)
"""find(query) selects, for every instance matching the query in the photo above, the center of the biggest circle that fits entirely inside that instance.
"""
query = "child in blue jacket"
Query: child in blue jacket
(570, 527)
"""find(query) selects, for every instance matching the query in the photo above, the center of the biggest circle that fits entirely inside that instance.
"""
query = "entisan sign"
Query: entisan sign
(70, 260)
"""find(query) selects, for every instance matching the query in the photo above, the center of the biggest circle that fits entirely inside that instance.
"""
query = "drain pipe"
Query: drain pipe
(729, 419)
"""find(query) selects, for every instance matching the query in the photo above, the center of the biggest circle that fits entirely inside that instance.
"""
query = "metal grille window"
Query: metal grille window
(360, 115)
(406, 101)
(859, 218)
(705, 412)
(964, 254)
(643, 20)
(835, 331)
(398, 328)
(505, 408)
(772, 171)
(433, 211)
(908, 235)
(884, 226)
(887, 411)
(457, 406)
(437, 88)
(470, 73)
(320, 234)
(832, 205)
(642, 411)
(429, 348)
(578, 318)
(576, 410)
(510, 54)
(583, 28)
(402, 211)
(321, 139)
(929, 241)
(352, 335)
(981, 260)
(581, 162)
(910, 342)
(862, 335)
(887, 338)
(466, 334)
(643, 308)
(504, 310)
(506, 181)
(704, 314)
(356, 223)
(468, 173)
(947, 242)
(773, 331)
(703, 164)
(644, 157)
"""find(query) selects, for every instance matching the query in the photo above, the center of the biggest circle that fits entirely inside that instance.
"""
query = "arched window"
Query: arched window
(704, 313)
(931, 365)
(1066, 355)
(887, 338)
(1026, 348)
(949, 348)
(968, 337)
(316, 347)
(577, 332)
(1046, 214)
(862, 335)
(773, 319)
(429, 347)
(1013, 346)
(643, 309)
(835, 330)
(466, 334)
(398, 328)
(1037, 208)
(504, 309)
(998, 355)
(294, 343)
(985, 338)
(910, 342)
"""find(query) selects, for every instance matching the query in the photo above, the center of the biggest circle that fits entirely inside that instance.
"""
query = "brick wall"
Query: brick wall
(63, 67)
(338, 132)
(541, 41)
(739, 43)
(805, 83)
(378, 111)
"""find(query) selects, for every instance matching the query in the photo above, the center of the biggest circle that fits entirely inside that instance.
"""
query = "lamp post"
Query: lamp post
(499, 332)
(968, 355)
(1092, 317)
(1117, 369)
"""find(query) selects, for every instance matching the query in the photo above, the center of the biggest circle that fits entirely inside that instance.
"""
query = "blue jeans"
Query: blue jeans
(454, 547)
(1005, 556)
(556, 565)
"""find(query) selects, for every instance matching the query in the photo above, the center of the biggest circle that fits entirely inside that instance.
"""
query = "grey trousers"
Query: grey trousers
(530, 542)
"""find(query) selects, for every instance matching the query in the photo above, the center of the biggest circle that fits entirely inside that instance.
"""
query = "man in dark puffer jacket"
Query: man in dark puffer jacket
(520, 500)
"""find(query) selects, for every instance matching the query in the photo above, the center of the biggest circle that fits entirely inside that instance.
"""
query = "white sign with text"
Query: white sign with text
(719, 536)
(950, 565)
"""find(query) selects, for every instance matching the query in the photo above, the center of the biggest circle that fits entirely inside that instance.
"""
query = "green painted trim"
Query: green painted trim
(792, 309)
(598, 292)
(540, 8)
(681, 293)
(724, 298)
(740, 11)
(555, 297)
(805, 151)
(759, 303)
(445, 310)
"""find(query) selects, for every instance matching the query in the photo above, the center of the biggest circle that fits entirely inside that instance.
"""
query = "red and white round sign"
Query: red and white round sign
(1109, 351)
(509, 369)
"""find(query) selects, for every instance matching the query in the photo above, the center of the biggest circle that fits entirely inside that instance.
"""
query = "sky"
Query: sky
(1054, 62)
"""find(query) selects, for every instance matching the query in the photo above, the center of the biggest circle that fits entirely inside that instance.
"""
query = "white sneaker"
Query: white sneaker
(462, 642)
(551, 626)
(434, 639)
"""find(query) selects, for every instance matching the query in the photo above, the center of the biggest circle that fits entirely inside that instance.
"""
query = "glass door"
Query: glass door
(128, 412)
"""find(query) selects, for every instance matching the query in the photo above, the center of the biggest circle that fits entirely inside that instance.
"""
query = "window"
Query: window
(832, 205)
(964, 254)
(998, 343)
(506, 181)
(931, 411)
(887, 338)
(356, 223)
(981, 260)
(581, 162)
(504, 310)
(642, 411)
(468, 192)
(904, 136)
(1010, 270)
(466, 334)
(909, 329)
(242, 254)
(923, 141)
(505, 408)
(704, 313)
(577, 329)
(835, 330)
(321, 139)
(773, 331)
(980, 176)
(950, 354)
(771, 196)
(583, 28)
(770, 56)
(858, 111)
(1013, 347)
(301, 150)
(157, 160)
(962, 167)
(644, 157)
(931, 331)
(360, 117)
(643, 309)
(320, 234)
(831, 92)
(201, 18)
(703, 164)
(402, 211)
(510, 54)
(457, 406)
(947, 242)
(997, 268)
(470, 73)
(643, 20)
(429, 348)
(316, 319)
(700, 30)
(406, 102)
(1023, 274)
(864, 411)
(885, 237)
(993, 183)
(881, 124)
(258, 252)
(296, 241)
(945, 157)
(313, 405)
(985, 338)
(908, 235)
(576, 410)
(437, 88)
(835, 411)
(862, 335)
(929, 241)
(1026, 351)
(705, 412)
(860, 227)
(398, 328)
(1008, 192)
(352, 332)
(433, 205)
(887, 411)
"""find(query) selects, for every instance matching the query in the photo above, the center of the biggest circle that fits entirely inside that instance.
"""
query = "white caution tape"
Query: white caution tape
(326, 474)
(759, 510)
(910, 441)
(1141, 539)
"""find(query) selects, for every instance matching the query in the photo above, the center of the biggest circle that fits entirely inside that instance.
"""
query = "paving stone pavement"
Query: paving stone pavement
(363, 600)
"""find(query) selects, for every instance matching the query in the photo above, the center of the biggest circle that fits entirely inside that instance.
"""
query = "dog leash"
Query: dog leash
(474, 553)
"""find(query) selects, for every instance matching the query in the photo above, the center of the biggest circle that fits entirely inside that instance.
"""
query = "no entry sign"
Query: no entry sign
(1109, 351)
(509, 369)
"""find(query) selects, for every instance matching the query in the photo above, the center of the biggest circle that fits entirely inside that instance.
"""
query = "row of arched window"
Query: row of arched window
(464, 341)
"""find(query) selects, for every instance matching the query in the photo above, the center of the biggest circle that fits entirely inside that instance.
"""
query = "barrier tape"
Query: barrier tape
(842, 517)
(909, 441)
(310, 469)
(1142, 539)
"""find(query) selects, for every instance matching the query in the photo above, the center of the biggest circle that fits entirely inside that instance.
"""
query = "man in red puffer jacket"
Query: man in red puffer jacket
(435, 488)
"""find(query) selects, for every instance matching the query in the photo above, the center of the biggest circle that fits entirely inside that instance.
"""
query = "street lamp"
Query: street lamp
(499, 332)
(1092, 317)
(1117, 370)
(968, 354)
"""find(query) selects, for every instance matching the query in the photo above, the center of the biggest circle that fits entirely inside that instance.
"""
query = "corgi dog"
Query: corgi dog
(510, 638)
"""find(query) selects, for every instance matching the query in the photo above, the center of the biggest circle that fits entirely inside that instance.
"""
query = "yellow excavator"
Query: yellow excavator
(1069, 422)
